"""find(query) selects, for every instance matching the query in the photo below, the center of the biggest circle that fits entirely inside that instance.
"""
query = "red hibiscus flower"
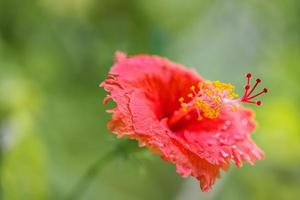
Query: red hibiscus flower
(198, 125)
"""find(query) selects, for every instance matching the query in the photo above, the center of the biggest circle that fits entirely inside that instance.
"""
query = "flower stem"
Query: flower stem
(89, 175)
(2, 195)
(1, 166)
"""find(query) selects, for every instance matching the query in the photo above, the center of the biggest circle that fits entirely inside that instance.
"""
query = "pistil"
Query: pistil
(247, 98)
(209, 98)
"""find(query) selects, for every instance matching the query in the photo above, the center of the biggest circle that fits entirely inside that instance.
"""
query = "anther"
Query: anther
(190, 95)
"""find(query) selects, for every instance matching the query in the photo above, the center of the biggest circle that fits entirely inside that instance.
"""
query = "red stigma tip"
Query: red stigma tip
(247, 87)
(247, 97)
(248, 75)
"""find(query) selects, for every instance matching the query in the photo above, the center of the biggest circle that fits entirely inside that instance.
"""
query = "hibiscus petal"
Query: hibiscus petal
(146, 90)
(224, 138)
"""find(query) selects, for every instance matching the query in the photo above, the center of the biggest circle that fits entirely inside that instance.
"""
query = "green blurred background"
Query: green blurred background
(54, 53)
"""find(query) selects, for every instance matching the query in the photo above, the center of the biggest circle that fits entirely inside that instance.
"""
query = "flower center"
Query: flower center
(210, 97)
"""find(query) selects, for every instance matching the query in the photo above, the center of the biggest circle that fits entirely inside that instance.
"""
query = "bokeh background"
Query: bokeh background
(54, 53)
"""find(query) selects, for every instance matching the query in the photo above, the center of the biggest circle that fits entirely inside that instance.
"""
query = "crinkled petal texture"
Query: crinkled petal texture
(146, 90)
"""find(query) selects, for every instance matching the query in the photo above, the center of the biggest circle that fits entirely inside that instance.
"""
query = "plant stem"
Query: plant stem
(89, 175)
(1, 165)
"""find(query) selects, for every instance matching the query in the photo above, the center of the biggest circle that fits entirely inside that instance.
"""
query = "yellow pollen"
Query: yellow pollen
(209, 99)
(193, 88)
(190, 95)
(200, 85)
(233, 95)
(184, 107)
